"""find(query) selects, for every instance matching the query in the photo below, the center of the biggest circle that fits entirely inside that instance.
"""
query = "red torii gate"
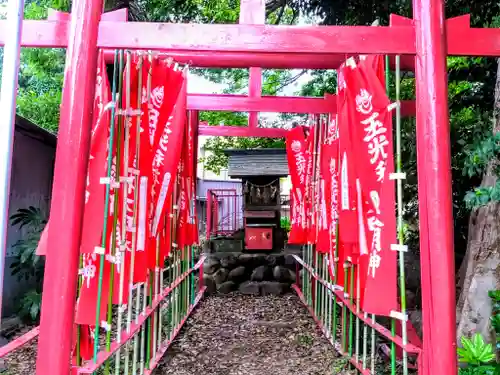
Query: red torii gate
(428, 37)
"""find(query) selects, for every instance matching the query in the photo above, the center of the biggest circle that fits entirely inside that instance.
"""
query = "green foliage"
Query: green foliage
(478, 356)
(495, 317)
(31, 305)
(475, 351)
(480, 370)
(322, 82)
(27, 265)
(41, 74)
(480, 155)
(481, 196)
(285, 223)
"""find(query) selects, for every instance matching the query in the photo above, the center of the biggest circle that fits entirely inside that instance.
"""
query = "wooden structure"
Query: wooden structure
(260, 171)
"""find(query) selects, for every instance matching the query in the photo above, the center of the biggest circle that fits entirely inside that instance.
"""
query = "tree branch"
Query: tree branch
(291, 80)
(282, 11)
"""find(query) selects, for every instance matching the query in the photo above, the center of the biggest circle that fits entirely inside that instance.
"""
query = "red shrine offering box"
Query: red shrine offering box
(259, 238)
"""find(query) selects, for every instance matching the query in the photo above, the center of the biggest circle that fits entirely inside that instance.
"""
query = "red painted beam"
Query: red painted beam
(241, 131)
(19, 342)
(206, 59)
(259, 39)
(241, 103)
(315, 42)
(279, 104)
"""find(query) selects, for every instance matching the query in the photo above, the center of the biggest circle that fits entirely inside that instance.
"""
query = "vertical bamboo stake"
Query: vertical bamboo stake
(351, 299)
(400, 214)
(106, 204)
(393, 321)
(113, 252)
(120, 254)
(135, 212)
(143, 328)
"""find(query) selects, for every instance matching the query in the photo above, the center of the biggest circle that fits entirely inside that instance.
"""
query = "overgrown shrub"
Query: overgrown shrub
(27, 265)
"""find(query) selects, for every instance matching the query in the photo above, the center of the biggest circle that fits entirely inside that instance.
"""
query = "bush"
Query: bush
(286, 224)
(27, 265)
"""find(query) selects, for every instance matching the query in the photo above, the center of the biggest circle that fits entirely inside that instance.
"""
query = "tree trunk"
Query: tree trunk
(480, 270)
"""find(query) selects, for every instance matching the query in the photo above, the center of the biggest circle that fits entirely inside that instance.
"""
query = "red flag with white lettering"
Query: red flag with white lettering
(329, 189)
(149, 115)
(166, 158)
(186, 191)
(310, 184)
(164, 83)
(296, 147)
(372, 145)
(93, 218)
(86, 305)
(94, 215)
(348, 239)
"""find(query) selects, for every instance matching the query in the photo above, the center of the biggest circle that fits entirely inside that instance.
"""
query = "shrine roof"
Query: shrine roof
(257, 162)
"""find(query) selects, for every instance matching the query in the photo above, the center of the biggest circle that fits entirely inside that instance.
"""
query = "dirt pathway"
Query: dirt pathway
(233, 335)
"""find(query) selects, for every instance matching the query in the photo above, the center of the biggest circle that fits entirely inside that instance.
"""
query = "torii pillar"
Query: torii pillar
(434, 190)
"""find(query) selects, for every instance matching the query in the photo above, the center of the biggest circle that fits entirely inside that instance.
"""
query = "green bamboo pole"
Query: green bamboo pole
(119, 134)
(150, 320)
(344, 309)
(393, 321)
(118, 253)
(399, 194)
(106, 206)
(351, 299)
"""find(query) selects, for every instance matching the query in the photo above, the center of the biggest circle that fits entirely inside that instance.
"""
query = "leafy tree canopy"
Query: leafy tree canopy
(471, 83)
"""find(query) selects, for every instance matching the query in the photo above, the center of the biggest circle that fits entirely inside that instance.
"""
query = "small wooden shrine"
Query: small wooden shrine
(260, 171)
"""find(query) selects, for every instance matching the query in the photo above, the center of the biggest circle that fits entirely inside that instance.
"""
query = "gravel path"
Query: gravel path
(233, 335)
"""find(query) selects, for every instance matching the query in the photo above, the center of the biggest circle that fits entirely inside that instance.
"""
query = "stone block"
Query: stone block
(220, 275)
(237, 274)
(261, 273)
(274, 288)
(249, 288)
(226, 287)
(211, 265)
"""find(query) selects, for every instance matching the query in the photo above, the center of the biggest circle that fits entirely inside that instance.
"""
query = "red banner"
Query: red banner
(372, 145)
(166, 158)
(93, 218)
(187, 195)
(296, 147)
(330, 191)
(149, 116)
(86, 305)
(348, 239)
(94, 211)
(165, 83)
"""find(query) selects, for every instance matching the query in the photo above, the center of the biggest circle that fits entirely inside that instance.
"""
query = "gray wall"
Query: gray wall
(31, 185)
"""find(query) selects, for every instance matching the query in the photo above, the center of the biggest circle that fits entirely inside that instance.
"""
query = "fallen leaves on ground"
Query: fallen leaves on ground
(234, 334)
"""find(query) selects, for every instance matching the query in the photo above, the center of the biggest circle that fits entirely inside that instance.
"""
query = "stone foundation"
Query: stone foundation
(253, 274)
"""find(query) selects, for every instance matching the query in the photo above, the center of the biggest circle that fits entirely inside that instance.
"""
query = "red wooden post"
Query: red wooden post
(61, 269)
(209, 215)
(434, 189)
